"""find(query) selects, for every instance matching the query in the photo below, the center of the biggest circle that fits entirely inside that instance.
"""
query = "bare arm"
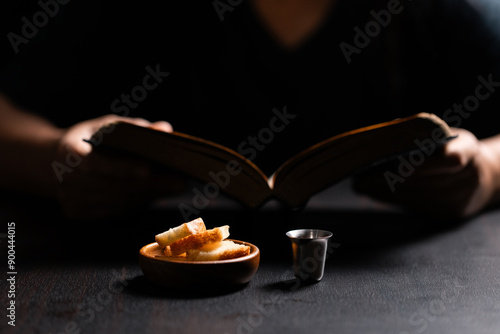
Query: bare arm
(459, 181)
(28, 145)
(39, 158)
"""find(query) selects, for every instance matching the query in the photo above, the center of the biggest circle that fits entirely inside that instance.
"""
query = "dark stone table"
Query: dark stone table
(389, 272)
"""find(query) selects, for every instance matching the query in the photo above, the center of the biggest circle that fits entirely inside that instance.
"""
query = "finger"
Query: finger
(407, 197)
(390, 181)
(465, 177)
(75, 136)
(454, 156)
(162, 126)
(114, 118)
(462, 150)
(440, 163)
(108, 164)
(431, 194)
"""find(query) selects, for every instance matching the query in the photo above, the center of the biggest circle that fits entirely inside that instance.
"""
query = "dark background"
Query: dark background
(227, 76)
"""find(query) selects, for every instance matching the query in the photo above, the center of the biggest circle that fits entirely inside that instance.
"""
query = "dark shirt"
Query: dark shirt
(228, 79)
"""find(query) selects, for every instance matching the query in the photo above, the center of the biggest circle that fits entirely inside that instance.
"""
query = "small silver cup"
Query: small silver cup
(309, 247)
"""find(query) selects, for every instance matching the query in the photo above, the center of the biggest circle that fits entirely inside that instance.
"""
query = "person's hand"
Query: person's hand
(457, 181)
(91, 185)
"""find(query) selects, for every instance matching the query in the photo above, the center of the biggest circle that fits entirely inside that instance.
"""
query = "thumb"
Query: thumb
(162, 126)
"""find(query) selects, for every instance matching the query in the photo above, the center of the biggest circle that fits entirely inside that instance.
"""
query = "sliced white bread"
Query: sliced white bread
(198, 240)
(223, 250)
(176, 233)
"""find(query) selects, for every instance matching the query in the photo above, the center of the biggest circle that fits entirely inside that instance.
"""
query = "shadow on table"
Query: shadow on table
(141, 286)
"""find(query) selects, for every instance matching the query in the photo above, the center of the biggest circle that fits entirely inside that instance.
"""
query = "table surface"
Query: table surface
(390, 272)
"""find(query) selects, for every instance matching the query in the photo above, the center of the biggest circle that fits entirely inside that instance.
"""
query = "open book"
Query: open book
(298, 178)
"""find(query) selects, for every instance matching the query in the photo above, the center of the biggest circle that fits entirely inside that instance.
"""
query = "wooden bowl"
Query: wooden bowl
(186, 274)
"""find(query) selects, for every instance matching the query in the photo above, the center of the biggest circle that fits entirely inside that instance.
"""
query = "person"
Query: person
(218, 70)
(56, 163)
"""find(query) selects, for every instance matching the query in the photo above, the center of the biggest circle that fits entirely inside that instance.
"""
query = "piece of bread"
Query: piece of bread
(176, 233)
(198, 240)
(168, 255)
(223, 250)
(166, 251)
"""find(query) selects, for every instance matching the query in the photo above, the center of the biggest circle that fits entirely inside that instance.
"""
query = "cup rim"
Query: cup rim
(326, 234)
